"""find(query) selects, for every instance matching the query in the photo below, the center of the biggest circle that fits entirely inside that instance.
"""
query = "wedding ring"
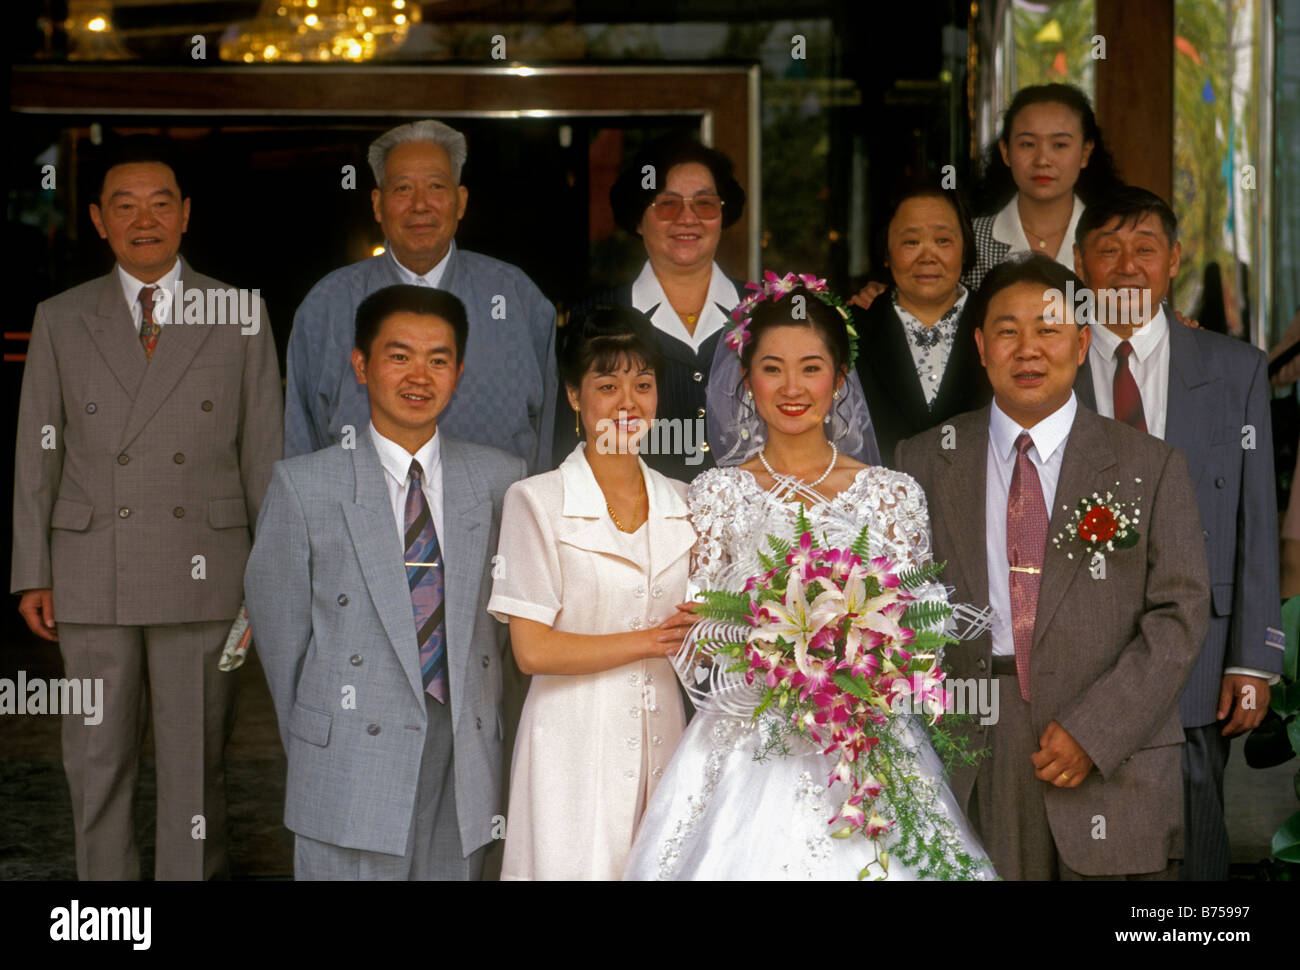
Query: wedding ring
(1065, 775)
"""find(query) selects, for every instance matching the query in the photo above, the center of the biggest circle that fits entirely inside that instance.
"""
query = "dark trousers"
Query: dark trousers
(1206, 852)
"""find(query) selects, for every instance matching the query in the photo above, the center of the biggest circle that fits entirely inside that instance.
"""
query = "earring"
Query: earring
(749, 394)
(836, 396)
(577, 422)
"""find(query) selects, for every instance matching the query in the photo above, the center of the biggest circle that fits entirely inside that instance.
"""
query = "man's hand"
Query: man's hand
(37, 608)
(1059, 759)
(1246, 699)
(1187, 321)
(865, 296)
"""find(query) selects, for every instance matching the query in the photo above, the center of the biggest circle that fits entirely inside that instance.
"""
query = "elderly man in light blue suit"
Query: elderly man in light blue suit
(367, 594)
(507, 399)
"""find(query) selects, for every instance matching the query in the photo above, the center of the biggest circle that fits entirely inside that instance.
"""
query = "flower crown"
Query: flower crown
(774, 287)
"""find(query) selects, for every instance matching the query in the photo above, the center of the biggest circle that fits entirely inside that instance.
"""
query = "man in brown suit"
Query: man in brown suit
(146, 434)
(1083, 775)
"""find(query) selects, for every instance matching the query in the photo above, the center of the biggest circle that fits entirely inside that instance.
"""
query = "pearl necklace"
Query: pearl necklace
(835, 456)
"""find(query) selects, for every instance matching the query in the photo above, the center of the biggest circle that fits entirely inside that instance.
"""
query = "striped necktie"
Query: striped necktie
(424, 575)
(149, 328)
(1026, 544)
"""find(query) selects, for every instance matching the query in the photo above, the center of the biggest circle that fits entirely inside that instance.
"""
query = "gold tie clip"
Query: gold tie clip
(1025, 569)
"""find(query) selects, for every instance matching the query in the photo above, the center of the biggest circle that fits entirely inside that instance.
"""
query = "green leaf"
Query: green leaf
(861, 546)
(1293, 732)
(928, 640)
(925, 615)
(1286, 840)
(919, 575)
(1291, 627)
(801, 523)
(1268, 745)
(853, 685)
(721, 604)
(1127, 540)
(779, 546)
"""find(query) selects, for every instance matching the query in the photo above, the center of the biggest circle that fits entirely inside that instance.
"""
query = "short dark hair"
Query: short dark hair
(1129, 204)
(405, 298)
(1024, 268)
(629, 200)
(824, 319)
(925, 187)
(602, 338)
(135, 149)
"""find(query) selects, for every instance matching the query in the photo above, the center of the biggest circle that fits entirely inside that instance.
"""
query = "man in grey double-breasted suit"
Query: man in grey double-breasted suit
(387, 677)
(1207, 395)
(146, 436)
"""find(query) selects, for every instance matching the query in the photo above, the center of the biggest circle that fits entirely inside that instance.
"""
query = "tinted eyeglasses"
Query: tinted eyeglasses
(669, 207)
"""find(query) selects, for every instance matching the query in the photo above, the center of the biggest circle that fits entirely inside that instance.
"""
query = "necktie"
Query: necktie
(424, 575)
(149, 328)
(1026, 543)
(1127, 397)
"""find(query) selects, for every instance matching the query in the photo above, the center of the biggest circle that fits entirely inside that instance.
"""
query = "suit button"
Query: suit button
(657, 592)
(91, 408)
(372, 729)
(485, 661)
(478, 723)
(355, 660)
(981, 664)
(700, 413)
(638, 592)
(178, 458)
(123, 459)
(343, 599)
(658, 772)
(123, 513)
(178, 512)
(206, 405)
(697, 377)
(656, 740)
(1205, 533)
(1220, 482)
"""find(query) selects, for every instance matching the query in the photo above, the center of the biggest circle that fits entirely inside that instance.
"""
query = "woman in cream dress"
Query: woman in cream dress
(594, 558)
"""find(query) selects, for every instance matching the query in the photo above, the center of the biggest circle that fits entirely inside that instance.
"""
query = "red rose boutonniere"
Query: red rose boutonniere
(1101, 525)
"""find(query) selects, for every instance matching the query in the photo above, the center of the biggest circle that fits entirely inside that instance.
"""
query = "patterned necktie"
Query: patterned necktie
(149, 328)
(1127, 397)
(1026, 543)
(424, 575)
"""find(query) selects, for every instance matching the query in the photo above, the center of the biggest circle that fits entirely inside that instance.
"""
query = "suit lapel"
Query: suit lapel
(177, 345)
(380, 553)
(671, 535)
(1086, 467)
(115, 336)
(894, 367)
(961, 498)
(467, 522)
(1083, 388)
(1191, 401)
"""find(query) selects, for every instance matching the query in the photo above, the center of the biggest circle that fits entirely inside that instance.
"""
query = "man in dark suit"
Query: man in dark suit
(1208, 396)
(1082, 778)
(143, 454)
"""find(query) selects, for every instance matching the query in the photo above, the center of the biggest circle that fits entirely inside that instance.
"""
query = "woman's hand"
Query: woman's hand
(867, 295)
(666, 638)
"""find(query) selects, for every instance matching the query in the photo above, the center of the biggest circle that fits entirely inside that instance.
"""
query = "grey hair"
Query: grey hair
(449, 139)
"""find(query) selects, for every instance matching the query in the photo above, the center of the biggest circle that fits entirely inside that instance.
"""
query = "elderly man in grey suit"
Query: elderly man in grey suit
(387, 677)
(507, 399)
(146, 436)
(1208, 396)
(1089, 656)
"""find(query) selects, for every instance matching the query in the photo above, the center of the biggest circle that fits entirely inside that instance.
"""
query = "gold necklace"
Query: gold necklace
(1042, 240)
(636, 511)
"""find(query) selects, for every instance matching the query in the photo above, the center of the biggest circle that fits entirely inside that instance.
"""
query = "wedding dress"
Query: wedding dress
(720, 813)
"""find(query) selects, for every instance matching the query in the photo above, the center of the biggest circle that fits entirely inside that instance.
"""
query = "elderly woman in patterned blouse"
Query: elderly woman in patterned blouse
(922, 366)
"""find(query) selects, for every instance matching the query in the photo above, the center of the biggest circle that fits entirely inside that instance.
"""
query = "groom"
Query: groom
(387, 677)
(1082, 779)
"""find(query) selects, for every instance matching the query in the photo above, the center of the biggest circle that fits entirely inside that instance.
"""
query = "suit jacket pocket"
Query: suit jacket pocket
(227, 513)
(71, 515)
(312, 726)
(1221, 597)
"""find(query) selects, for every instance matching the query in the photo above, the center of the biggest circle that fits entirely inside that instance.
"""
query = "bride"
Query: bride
(727, 806)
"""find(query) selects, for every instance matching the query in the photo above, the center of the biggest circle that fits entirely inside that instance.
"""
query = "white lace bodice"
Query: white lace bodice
(733, 516)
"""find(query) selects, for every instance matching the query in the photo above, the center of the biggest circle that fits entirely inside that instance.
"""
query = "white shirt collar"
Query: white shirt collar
(583, 498)
(131, 285)
(1007, 229)
(648, 294)
(431, 278)
(397, 460)
(1145, 340)
(1048, 434)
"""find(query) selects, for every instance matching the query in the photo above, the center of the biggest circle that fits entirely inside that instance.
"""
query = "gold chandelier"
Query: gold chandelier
(295, 31)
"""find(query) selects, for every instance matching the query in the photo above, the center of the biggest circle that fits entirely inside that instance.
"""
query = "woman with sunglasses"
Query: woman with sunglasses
(678, 196)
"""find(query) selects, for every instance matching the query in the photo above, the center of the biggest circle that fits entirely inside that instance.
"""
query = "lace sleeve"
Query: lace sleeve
(905, 520)
(708, 499)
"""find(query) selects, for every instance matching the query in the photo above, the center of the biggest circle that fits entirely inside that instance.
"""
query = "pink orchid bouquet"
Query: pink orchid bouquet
(840, 646)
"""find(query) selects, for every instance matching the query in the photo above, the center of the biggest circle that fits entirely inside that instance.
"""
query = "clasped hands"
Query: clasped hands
(1059, 760)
